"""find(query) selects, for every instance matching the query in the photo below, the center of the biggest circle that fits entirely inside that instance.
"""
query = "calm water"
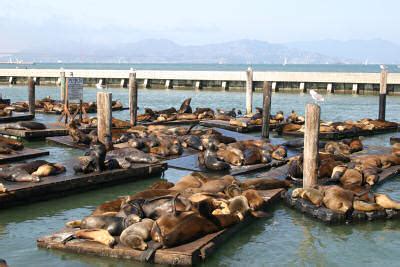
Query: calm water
(286, 239)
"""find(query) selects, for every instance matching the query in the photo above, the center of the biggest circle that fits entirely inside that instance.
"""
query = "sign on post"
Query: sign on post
(75, 88)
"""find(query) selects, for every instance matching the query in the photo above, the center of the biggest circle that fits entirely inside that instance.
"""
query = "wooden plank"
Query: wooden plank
(53, 129)
(225, 125)
(186, 254)
(26, 153)
(16, 118)
(345, 134)
(175, 122)
(191, 163)
(52, 112)
(69, 182)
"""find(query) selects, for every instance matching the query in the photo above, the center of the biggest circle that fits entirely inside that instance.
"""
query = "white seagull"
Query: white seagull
(317, 97)
(383, 67)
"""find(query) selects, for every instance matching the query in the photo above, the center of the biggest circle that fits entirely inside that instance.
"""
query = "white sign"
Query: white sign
(75, 88)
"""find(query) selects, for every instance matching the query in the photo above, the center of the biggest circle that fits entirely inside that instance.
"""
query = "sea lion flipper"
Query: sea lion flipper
(68, 238)
(259, 214)
(149, 253)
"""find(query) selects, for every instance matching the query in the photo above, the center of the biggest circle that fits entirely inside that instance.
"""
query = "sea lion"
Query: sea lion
(49, 169)
(3, 189)
(185, 106)
(77, 135)
(136, 234)
(396, 149)
(338, 172)
(11, 143)
(338, 199)
(255, 200)
(361, 205)
(32, 125)
(290, 128)
(209, 159)
(17, 174)
(218, 185)
(193, 180)
(239, 205)
(264, 183)
(172, 230)
(389, 160)
(193, 141)
(186, 116)
(386, 202)
(351, 177)
(355, 145)
(114, 225)
(231, 155)
(241, 122)
(97, 235)
(279, 153)
(311, 194)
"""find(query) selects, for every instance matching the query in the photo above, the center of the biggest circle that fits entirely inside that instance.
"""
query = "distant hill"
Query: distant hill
(234, 52)
(373, 51)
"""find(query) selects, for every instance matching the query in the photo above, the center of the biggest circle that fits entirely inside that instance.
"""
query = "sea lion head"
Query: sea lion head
(296, 193)
(338, 171)
(233, 190)
(279, 153)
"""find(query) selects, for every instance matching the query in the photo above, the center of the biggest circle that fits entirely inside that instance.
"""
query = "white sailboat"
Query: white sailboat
(285, 61)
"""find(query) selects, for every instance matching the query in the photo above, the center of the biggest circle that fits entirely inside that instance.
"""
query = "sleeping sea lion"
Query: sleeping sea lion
(337, 199)
(97, 235)
(254, 199)
(3, 189)
(264, 183)
(361, 205)
(136, 235)
(351, 177)
(218, 185)
(49, 169)
(311, 194)
(231, 155)
(386, 202)
(338, 172)
(17, 174)
(396, 149)
(172, 230)
(186, 116)
(279, 154)
(32, 125)
(114, 225)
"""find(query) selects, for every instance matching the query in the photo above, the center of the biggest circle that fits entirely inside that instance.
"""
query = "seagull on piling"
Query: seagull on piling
(317, 97)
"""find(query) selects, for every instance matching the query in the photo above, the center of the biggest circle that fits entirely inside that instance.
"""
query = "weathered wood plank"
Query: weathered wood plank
(26, 153)
(225, 125)
(16, 117)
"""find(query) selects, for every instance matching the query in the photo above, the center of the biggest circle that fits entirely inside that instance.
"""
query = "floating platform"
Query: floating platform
(345, 134)
(53, 112)
(174, 122)
(26, 153)
(190, 163)
(52, 130)
(68, 182)
(225, 125)
(16, 118)
(186, 254)
(328, 216)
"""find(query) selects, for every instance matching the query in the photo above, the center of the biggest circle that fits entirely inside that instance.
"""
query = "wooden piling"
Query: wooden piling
(311, 139)
(267, 92)
(104, 117)
(62, 86)
(31, 95)
(133, 94)
(382, 95)
(249, 90)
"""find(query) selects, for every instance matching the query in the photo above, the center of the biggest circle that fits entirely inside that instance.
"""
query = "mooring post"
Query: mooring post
(311, 139)
(249, 90)
(31, 96)
(382, 95)
(104, 118)
(133, 94)
(267, 92)
(62, 86)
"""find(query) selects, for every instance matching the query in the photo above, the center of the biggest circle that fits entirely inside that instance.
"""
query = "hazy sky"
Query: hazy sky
(26, 23)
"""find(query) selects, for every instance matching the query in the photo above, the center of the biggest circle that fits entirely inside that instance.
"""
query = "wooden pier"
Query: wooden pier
(19, 193)
(17, 117)
(26, 153)
(227, 126)
(187, 254)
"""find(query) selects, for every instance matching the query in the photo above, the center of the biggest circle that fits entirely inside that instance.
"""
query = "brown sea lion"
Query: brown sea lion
(210, 161)
(254, 199)
(49, 169)
(136, 235)
(361, 205)
(241, 122)
(97, 235)
(185, 106)
(311, 194)
(231, 155)
(193, 180)
(264, 183)
(386, 202)
(218, 185)
(186, 116)
(291, 127)
(279, 153)
(114, 225)
(389, 160)
(171, 230)
(396, 149)
(337, 199)
(351, 177)
(3, 189)
(338, 172)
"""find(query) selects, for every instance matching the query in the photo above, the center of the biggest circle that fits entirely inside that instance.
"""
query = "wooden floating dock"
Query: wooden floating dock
(345, 134)
(26, 153)
(69, 182)
(53, 112)
(191, 163)
(329, 216)
(16, 118)
(34, 134)
(187, 254)
(225, 125)
(174, 122)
